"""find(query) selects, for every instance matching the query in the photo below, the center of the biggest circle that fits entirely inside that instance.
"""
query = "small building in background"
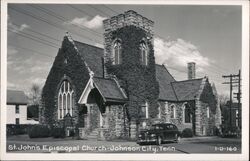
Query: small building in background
(17, 108)
(235, 120)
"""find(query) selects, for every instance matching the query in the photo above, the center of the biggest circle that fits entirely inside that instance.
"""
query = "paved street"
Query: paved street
(186, 145)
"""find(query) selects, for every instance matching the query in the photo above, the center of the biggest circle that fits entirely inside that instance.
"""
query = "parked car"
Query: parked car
(159, 133)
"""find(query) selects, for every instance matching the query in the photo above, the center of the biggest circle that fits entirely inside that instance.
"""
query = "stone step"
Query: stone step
(93, 134)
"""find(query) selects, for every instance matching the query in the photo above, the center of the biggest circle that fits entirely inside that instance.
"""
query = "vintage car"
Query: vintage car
(159, 133)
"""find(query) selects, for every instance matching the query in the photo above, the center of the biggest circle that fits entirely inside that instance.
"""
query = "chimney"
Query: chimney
(191, 70)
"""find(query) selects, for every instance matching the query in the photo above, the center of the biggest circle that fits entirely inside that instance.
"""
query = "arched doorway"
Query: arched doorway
(95, 110)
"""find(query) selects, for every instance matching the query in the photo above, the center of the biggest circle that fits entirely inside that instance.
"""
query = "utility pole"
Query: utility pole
(238, 96)
(231, 82)
(239, 102)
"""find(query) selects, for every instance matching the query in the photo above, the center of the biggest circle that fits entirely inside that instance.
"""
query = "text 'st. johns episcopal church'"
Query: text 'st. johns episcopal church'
(113, 92)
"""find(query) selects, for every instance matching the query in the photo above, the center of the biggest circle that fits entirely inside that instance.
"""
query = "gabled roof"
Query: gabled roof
(165, 78)
(187, 90)
(109, 89)
(93, 57)
(170, 89)
(16, 97)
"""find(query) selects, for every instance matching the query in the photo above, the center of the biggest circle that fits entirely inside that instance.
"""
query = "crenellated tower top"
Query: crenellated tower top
(127, 19)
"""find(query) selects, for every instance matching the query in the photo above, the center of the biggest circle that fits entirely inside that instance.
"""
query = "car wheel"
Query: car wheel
(159, 141)
(177, 138)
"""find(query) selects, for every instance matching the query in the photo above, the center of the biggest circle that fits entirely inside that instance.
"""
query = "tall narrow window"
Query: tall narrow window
(17, 121)
(144, 53)
(187, 113)
(65, 100)
(17, 109)
(159, 111)
(144, 110)
(172, 111)
(208, 112)
(117, 52)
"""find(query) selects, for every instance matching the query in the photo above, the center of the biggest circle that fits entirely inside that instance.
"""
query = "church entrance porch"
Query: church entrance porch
(94, 121)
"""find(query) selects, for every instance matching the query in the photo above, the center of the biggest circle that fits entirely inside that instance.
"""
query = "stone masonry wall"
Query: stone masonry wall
(204, 124)
(116, 122)
(122, 20)
(179, 119)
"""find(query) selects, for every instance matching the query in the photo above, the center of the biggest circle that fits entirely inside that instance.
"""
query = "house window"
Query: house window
(17, 109)
(17, 121)
(65, 100)
(117, 52)
(208, 112)
(144, 110)
(159, 111)
(144, 53)
(237, 117)
(172, 111)
(187, 113)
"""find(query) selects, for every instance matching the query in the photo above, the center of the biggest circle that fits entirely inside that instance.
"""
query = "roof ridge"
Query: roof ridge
(174, 91)
(167, 71)
(70, 39)
(188, 80)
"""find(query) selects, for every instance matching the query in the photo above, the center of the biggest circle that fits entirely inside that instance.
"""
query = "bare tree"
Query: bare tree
(223, 99)
(35, 94)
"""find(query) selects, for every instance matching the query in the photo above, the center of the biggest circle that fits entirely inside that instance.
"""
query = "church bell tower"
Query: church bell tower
(129, 55)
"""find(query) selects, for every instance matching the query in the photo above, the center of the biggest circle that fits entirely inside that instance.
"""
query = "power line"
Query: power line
(62, 19)
(33, 51)
(111, 9)
(51, 13)
(181, 71)
(80, 10)
(52, 24)
(33, 37)
(42, 42)
(222, 69)
(231, 83)
(98, 10)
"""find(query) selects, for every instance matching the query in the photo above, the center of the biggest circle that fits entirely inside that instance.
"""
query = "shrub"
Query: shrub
(58, 132)
(186, 133)
(230, 131)
(217, 131)
(72, 133)
(39, 131)
(13, 129)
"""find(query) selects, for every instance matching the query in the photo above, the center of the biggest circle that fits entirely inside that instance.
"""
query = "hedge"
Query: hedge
(58, 132)
(14, 129)
(39, 131)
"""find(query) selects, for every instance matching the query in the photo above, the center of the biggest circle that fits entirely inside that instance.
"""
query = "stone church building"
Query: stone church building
(115, 91)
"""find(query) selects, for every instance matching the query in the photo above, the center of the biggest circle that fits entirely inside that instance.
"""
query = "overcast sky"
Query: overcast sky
(207, 35)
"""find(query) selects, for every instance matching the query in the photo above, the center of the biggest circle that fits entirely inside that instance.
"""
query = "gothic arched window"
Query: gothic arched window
(65, 100)
(187, 113)
(117, 52)
(144, 53)
(208, 112)
(172, 111)
(144, 110)
(159, 111)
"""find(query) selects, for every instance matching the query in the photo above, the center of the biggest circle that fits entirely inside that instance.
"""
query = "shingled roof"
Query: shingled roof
(165, 78)
(93, 57)
(109, 89)
(16, 97)
(187, 90)
(170, 89)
